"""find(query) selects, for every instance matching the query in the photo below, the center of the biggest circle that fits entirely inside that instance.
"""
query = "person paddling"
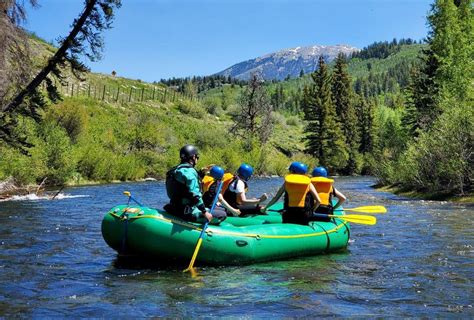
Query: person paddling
(235, 195)
(301, 198)
(183, 187)
(326, 191)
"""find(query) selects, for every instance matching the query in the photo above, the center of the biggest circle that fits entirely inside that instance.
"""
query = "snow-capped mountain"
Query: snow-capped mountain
(279, 65)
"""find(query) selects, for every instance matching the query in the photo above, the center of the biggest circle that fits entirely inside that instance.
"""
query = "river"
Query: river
(416, 262)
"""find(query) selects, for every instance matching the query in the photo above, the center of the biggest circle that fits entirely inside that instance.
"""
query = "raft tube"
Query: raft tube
(143, 231)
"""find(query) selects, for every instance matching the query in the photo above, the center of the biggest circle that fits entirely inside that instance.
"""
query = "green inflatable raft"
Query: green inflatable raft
(143, 231)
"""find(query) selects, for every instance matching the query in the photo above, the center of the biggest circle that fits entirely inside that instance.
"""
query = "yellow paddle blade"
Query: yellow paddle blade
(357, 218)
(368, 209)
(191, 264)
(127, 193)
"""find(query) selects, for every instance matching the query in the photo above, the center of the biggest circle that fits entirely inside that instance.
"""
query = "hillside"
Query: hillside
(395, 66)
(110, 128)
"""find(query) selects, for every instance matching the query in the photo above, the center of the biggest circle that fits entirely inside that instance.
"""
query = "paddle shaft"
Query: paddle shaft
(353, 218)
(365, 209)
(199, 242)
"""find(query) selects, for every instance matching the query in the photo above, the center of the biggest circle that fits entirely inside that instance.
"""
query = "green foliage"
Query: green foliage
(190, 108)
(346, 113)
(452, 31)
(56, 151)
(382, 50)
(213, 105)
(439, 112)
(441, 159)
(325, 139)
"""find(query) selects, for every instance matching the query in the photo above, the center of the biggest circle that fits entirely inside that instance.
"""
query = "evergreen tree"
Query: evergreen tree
(366, 117)
(346, 114)
(324, 136)
(447, 65)
(450, 39)
(423, 96)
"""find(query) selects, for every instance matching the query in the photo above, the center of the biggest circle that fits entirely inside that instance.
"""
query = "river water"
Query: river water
(416, 262)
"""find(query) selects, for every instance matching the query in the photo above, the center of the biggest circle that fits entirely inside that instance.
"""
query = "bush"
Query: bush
(213, 105)
(55, 149)
(293, 121)
(71, 116)
(193, 109)
(441, 159)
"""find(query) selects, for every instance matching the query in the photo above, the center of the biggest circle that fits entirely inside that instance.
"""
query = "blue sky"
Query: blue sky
(154, 39)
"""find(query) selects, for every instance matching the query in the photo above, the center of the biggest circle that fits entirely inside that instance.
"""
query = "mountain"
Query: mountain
(279, 65)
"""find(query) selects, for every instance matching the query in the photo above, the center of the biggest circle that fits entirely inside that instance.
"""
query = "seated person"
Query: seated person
(301, 197)
(326, 191)
(209, 188)
(235, 195)
(183, 187)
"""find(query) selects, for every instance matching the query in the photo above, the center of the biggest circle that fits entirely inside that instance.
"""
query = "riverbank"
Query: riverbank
(468, 198)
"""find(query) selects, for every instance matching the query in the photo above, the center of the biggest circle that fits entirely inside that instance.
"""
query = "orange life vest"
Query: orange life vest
(226, 180)
(325, 189)
(296, 187)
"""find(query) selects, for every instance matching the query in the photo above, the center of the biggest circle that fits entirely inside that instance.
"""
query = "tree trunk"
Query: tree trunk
(53, 61)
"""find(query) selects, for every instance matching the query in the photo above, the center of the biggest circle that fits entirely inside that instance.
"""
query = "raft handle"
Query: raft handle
(241, 243)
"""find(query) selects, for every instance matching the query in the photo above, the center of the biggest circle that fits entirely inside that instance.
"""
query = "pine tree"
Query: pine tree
(324, 136)
(343, 96)
(423, 106)
(450, 39)
(447, 66)
(366, 118)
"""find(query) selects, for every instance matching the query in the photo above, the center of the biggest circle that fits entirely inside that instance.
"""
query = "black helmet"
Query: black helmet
(187, 152)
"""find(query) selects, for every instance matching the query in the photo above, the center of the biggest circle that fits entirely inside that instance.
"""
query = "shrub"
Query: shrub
(193, 109)
(293, 121)
(56, 150)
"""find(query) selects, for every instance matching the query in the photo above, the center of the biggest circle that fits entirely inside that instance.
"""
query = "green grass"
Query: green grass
(468, 198)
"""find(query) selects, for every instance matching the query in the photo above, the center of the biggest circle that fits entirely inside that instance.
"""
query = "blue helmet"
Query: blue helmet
(245, 171)
(217, 172)
(320, 172)
(298, 167)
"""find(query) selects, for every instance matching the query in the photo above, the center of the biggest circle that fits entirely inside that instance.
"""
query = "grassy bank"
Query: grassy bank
(468, 198)
(82, 140)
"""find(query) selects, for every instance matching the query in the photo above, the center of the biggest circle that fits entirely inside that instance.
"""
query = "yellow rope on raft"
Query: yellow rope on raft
(222, 232)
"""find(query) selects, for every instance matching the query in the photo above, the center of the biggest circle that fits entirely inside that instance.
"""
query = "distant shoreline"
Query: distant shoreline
(468, 198)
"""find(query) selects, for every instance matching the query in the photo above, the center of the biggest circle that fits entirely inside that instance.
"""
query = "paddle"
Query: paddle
(199, 242)
(129, 195)
(57, 193)
(365, 209)
(353, 218)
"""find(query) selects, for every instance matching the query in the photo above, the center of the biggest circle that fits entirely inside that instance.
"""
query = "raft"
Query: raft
(148, 232)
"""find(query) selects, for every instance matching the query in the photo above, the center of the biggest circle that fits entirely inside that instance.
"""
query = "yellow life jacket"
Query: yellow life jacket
(297, 187)
(324, 187)
(207, 181)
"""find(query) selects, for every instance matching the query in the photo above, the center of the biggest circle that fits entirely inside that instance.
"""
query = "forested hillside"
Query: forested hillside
(400, 110)
(108, 128)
